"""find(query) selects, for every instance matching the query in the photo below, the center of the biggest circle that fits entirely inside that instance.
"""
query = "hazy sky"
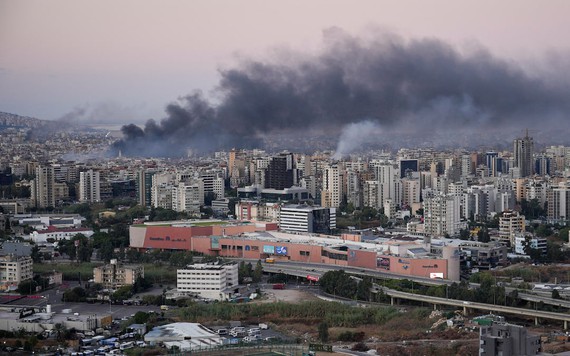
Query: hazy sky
(123, 61)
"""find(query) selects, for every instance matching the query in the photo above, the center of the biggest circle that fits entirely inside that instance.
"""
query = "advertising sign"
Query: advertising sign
(437, 275)
(268, 249)
(383, 263)
(281, 250)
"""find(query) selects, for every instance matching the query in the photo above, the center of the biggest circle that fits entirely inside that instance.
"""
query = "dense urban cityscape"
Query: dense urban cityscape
(478, 230)
(284, 178)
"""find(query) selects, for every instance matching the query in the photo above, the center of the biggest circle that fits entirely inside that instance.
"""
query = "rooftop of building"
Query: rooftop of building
(208, 266)
(179, 332)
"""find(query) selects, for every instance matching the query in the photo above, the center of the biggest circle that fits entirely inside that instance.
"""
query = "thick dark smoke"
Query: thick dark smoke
(422, 85)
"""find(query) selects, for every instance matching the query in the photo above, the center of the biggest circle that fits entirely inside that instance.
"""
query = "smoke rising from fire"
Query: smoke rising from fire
(420, 85)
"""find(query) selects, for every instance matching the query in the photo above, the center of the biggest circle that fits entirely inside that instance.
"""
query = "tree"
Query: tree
(124, 292)
(464, 234)
(544, 230)
(257, 272)
(483, 235)
(141, 317)
(556, 294)
(338, 283)
(141, 284)
(363, 290)
(76, 294)
(324, 331)
(27, 287)
(106, 252)
(36, 255)
(60, 331)
(534, 253)
(532, 209)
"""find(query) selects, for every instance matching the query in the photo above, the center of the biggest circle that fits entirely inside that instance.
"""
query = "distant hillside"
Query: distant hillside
(17, 121)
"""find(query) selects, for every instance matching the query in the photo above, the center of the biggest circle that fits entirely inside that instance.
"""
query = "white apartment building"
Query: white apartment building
(217, 282)
(559, 203)
(161, 196)
(410, 191)
(304, 218)
(89, 186)
(388, 179)
(442, 215)
(370, 194)
(537, 243)
(389, 209)
(188, 196)
(332, 192)
(14, 270)
(213, 182)
(42, 187)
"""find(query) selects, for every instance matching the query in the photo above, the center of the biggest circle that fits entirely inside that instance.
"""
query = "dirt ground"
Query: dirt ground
(292, 295)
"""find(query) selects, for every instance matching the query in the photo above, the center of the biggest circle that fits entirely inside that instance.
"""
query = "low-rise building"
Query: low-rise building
(522, 240)
(53, 234)
(217, 282)
(115, 275)
(14, 269)
(507, 339)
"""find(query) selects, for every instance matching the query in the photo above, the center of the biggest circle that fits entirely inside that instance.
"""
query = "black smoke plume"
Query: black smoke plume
(419, 85)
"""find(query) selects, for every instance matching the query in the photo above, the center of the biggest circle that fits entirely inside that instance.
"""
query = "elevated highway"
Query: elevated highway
(317, 270)
(467, 306)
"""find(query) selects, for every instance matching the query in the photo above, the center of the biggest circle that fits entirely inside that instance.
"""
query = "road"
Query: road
(302, 270)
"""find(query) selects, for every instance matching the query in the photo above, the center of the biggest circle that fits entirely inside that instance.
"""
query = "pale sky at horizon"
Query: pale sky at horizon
(127, 59)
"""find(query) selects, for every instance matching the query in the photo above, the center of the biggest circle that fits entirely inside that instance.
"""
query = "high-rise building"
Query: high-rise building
(442, 215)
(280, 173)
(89, 186)
(332, 193)
(408, 167)
(143, 185)
(388, 182)
(188, 196)
(523, 149)
(353, 189)
(559, 203)
(370, 194)
(214, 183)
(42, 187)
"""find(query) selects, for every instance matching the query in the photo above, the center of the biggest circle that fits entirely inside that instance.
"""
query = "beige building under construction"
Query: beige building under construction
(115, 275)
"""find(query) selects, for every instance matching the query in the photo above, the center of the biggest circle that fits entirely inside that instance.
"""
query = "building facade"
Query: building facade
(89, 186)
(14, 270)
(304, 218)
(523, 149)
(114, 276)
(42, 187)
(216, 282)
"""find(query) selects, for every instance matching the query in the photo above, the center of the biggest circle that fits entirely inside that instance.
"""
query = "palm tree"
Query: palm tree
(60, 330)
